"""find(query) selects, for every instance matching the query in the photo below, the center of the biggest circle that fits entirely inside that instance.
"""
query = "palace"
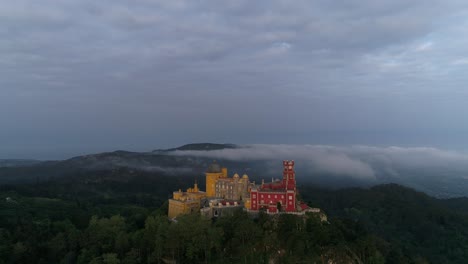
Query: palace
(185, 202)
(224, 194)
(279, 195)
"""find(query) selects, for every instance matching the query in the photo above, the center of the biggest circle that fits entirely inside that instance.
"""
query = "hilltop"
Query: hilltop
(318, 167)
(201, 147)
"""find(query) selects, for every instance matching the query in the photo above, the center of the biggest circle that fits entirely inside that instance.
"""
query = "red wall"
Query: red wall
(271, 199)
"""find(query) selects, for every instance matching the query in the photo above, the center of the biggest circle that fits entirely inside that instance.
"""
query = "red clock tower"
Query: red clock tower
(289, 175)
(277, 194)
(289, 183)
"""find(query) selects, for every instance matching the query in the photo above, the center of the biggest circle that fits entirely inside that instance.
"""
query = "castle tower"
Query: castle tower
(289, 182)
(213, 173)
(289, 175)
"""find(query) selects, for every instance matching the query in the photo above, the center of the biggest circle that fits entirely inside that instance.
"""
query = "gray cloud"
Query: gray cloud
(358, 162)
(74, 72)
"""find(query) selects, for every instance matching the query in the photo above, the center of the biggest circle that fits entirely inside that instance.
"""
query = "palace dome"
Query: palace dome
(214, 168)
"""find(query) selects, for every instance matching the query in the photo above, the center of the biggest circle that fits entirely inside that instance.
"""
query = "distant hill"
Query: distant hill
(202, 146)
(17, 162)
(457, 204)
(408, 219)
(158, 161)
(192, 160)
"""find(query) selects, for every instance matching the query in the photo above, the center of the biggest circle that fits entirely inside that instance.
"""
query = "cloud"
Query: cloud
(123, 68)
(463, 61)
(358, 162)
(425, 46)
(317, 158)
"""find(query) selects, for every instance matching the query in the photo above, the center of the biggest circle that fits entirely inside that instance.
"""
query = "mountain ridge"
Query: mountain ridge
(189, 159)
(201, 147)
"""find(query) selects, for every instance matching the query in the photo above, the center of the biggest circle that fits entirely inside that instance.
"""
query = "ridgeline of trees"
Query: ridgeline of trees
(193, 239)
(120, 217)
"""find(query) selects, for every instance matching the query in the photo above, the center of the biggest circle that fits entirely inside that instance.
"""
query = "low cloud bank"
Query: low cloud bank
(358, 162)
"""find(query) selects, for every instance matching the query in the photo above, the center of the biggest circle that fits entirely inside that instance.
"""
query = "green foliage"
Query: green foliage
(386, 224)
(418, 228)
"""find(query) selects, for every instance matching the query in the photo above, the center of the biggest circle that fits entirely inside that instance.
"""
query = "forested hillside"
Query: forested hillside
(119, 216)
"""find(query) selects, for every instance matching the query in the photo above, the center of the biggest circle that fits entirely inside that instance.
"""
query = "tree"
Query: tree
(19, 252)
(121, 243)
(110, 258)
(58, 246)
(103, 232)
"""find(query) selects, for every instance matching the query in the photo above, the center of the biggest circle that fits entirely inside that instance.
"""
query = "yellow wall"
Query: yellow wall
(177, 208)
(177, 195)
(247, 203)
(185, 202)
(211, 179)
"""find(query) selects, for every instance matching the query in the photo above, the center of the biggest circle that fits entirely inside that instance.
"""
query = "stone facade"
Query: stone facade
(185, 202)
(213, 174)
(218, 208)
(234, 188)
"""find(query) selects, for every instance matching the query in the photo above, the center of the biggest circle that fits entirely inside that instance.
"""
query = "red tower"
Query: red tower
(289, 175)
(277, 194)
(289, 182)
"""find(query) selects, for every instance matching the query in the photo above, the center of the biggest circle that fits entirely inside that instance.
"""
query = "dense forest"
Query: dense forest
(119, 216)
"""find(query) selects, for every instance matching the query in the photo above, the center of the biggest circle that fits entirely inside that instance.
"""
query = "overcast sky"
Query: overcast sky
(87, 76)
